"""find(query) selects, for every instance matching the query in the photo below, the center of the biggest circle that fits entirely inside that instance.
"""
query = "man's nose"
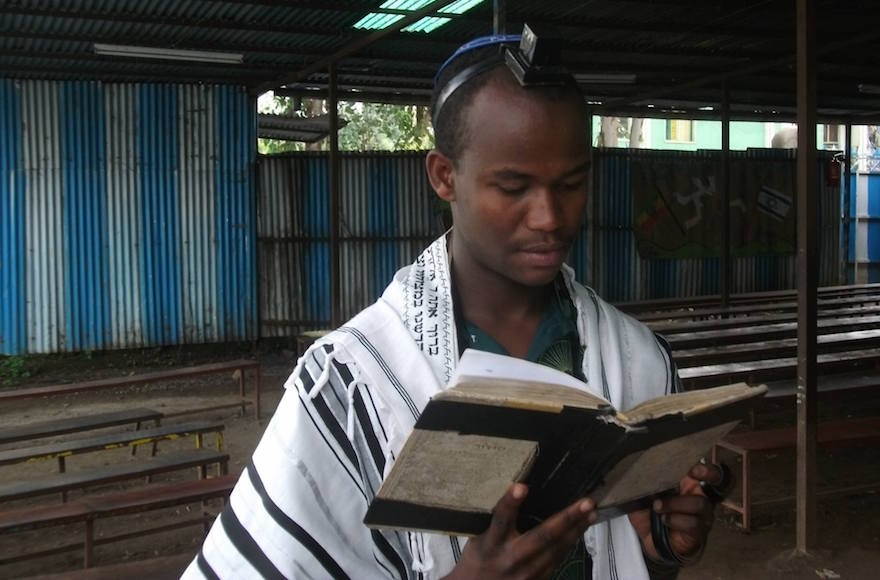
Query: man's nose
(544, 213)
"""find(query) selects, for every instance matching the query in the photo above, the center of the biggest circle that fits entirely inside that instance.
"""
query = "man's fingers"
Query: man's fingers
(505, 514)
(546, 546)
(708, 472)
(563, 528)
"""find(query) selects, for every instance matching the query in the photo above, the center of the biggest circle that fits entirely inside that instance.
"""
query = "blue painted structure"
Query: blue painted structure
(863, 252)
(130, 215)
(388, 216)
(127, 215)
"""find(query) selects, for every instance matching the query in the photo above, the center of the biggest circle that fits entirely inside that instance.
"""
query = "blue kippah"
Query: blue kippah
(477, 43)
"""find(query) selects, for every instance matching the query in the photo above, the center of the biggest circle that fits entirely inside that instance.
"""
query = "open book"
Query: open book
(504, 419)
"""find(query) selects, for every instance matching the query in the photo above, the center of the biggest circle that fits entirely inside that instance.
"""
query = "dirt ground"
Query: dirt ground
(848, 527)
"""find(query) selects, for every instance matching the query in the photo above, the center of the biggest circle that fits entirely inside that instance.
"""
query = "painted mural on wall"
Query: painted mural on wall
(677, 208)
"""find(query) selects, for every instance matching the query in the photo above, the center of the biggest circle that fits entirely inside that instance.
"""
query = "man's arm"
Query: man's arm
(297, 509)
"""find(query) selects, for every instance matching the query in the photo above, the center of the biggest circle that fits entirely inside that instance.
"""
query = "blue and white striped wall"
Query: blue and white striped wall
(127, 215)
(388, 217)
(863, 257)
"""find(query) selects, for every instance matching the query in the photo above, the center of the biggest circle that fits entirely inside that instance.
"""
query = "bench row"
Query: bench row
(860, 431)
(91, 508)
(237, 367)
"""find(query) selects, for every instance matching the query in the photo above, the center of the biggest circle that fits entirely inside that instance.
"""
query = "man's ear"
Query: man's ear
(441, 174)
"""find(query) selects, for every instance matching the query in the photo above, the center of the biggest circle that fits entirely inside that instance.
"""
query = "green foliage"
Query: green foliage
(13, 369)
(382, 127)
(370, 127)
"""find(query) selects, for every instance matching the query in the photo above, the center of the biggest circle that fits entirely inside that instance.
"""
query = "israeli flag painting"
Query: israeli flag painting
(773, 203)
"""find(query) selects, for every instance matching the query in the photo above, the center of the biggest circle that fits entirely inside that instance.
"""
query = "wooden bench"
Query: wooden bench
(70, 481)
(163, 568)
(774, 349)
(660, 304)
(64, 449)
(751, 309)
(90, 508)
(670, 327)
(746, 332)
(763, 371)
(237, 367)
(747, 444)
(78, 424)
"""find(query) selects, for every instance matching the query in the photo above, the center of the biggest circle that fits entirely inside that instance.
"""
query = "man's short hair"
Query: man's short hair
(450, 133)
(450, 130)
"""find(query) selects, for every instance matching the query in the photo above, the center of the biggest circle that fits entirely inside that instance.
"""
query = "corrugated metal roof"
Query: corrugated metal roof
(666, 44)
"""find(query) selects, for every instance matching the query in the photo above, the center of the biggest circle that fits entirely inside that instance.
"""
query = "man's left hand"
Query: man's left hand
(688, 515)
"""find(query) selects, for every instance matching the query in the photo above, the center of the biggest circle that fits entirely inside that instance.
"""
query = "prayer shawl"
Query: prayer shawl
(350, 404)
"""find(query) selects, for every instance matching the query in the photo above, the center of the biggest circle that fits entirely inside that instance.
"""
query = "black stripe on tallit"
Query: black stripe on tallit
(247, 546)
(612, 561)
(292, 528)
(369, 435)
(336, 430)
(672, 381)
(389, 552)
(332, 450)
(456, 548)
(205, 567)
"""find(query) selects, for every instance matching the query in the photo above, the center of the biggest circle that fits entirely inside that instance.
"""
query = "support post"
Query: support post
(724, 282)
(333, 173)
(846, 219)
(499, 17)
(807, 277)
(593, 221)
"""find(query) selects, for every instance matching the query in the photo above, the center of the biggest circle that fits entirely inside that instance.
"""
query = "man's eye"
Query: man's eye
(576, 184)
(512, 189)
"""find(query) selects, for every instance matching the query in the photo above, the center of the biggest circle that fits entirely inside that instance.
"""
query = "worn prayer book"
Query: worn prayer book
(504, 419)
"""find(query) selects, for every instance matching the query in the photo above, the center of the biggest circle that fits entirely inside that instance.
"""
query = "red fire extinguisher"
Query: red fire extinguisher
(832, 173)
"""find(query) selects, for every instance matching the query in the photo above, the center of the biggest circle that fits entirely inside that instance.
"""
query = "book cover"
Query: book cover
(504, 419)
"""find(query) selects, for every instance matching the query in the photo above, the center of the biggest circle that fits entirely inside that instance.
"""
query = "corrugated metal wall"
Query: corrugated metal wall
(863, 259)
(388, 217)
(620, 274)
(128, 215)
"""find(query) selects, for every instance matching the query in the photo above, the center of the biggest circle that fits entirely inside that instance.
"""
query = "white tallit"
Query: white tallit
(412, 326)
(352, 400)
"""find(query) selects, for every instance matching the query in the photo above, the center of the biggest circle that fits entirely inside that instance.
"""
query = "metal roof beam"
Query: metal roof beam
(354, 46)
(754, 68)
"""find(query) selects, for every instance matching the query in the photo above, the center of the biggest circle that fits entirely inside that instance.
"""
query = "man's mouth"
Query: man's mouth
(545, 255)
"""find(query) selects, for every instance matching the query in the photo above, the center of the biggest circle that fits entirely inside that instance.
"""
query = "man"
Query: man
(512, 161)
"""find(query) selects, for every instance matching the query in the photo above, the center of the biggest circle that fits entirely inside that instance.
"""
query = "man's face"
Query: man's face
(520, 187)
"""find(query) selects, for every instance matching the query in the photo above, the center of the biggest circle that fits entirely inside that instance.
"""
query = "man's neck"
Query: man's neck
(507, 312)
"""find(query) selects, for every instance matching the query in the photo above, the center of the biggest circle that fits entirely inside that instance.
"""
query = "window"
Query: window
(831, 136)
(680, 130)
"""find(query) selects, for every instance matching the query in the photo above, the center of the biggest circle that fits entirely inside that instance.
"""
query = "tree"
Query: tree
(612, 129)
(370, 127)
(276, 105)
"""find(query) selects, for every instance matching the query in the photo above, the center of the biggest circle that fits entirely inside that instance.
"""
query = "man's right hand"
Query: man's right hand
(503, 552)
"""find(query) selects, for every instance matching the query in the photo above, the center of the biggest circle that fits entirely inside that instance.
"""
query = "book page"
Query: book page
(477, 363)
(462, 472)
(520, 394)
(506, 381)
(691, 402)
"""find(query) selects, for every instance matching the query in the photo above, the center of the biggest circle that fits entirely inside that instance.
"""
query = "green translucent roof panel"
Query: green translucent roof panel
(379, 19)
